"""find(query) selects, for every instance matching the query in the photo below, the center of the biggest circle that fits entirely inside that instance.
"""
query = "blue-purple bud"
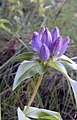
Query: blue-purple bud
(64, 46)
(46, 37)
(55, 34)
(44, 52)
(36, 42)
(56, 47)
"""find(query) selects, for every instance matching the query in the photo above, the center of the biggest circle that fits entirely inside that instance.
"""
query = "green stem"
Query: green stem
(34, 93)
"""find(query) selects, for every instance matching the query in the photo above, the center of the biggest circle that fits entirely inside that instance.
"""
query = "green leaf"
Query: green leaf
(23, 56)
(74, 87)
(45, 115)
(58, 66)
(21, 115)
(68, 62)
(26, 70)
(67, 65)
(37, 113)
(4, 21)
(2, 26)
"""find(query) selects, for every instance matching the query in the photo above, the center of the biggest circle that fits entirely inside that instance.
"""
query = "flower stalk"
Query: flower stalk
(34, 93)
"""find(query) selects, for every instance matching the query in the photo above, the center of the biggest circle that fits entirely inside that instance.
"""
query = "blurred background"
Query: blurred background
(18, 20)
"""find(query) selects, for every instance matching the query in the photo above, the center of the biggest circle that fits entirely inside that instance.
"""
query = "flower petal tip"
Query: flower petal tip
(55, 33)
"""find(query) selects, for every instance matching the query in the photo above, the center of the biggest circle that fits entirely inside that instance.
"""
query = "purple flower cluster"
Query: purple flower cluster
(47, 43)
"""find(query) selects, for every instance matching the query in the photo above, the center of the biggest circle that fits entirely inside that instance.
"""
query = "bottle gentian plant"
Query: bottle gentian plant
(49, 48)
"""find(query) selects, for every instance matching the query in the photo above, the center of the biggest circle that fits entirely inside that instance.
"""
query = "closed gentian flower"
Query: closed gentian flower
(36, 43)
(64, 46)
(59, 47)
(48, 44)
(55, 34)
(46, 37)
(56, 47)
(44, 52)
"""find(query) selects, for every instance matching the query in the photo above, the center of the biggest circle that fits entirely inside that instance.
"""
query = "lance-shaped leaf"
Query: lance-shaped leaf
(26, 70)
(68, 62)
(23, 56)
(58, 66)
(74, 87)
(37, 113)
(21, 115)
